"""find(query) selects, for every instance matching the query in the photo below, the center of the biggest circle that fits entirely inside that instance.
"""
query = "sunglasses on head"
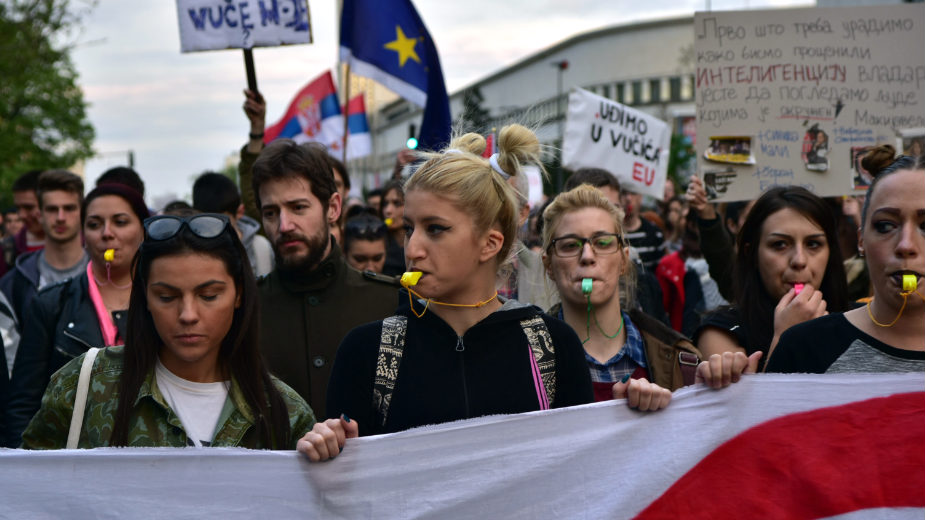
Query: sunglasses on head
(204, 225)
(362, 228)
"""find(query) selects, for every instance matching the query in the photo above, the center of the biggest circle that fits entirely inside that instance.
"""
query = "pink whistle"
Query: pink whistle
(797, 287)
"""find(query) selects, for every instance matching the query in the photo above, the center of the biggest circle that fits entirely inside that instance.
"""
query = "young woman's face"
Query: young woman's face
(110, 223)
(442, 242)
(893, 238)
(604, 269)
(393, 207)
(191, 298)
(792, 249)
(676, 214)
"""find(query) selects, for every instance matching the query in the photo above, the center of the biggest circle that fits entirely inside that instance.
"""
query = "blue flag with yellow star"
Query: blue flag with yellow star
(385, 40)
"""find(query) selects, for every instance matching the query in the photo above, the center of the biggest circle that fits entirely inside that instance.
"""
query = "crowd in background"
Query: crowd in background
(241, 316)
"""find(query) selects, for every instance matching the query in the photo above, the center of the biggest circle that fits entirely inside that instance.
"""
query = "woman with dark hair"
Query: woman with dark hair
(787, 260)
(888, 334)
(190, 372)
(392, 212)
(86, 311)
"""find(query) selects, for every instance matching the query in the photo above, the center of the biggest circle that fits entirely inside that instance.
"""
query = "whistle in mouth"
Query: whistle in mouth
(797, 287)
(909, 282)
(388, 222)
(586, 285)
(109, 255)
(410, 278)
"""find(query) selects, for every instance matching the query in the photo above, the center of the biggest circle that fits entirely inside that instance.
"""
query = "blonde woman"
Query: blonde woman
(586, 256)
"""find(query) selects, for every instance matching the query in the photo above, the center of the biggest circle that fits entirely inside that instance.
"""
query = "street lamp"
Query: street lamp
(560, 66)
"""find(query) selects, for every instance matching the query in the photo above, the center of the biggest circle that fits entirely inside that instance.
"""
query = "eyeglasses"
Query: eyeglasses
(204, 225)
(571, 245)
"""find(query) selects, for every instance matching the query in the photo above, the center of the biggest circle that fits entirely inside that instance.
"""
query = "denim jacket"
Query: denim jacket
(152, 423)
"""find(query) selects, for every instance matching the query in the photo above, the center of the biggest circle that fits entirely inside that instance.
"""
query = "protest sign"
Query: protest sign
(242, 24)
(633, 145)
(794, 97)
(770, 446)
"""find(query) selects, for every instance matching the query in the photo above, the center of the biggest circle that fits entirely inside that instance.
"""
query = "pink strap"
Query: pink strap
(538, 382)
(107, 327)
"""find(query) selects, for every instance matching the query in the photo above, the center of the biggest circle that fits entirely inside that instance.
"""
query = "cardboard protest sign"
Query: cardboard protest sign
(797, 96)
(242, 24)
(633, 145)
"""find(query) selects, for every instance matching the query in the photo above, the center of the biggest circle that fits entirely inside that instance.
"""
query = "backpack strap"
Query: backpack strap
(688, 362)
(80, 399)
(394, 329)
(543, 359)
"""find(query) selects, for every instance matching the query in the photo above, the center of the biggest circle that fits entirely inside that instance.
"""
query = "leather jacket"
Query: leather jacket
(60, 325)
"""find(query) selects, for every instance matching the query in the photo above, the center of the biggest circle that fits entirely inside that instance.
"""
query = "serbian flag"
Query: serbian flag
(359, 140)
(313, 115)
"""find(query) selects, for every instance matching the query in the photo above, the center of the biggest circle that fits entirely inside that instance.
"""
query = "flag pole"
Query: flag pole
(346, 108)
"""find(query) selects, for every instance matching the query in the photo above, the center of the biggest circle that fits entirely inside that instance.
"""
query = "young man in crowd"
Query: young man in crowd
(216, 193)
(312, 299)
(60, 195)
(644, 236)
(31, 237)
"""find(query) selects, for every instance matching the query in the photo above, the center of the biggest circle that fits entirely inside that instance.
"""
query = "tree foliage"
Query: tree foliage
(43, 119)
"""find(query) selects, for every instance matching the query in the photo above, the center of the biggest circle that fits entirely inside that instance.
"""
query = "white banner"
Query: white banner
(242, 24)
(772, 446)
(632, 145)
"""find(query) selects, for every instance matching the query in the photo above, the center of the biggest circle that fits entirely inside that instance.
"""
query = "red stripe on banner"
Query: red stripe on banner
(820, 463)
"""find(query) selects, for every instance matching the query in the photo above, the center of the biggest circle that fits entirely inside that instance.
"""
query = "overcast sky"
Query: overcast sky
(181, 113)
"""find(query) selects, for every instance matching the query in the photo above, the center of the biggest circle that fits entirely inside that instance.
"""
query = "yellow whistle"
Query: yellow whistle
(388, 222)
(109, 255)
(410, 278)
(909, 282)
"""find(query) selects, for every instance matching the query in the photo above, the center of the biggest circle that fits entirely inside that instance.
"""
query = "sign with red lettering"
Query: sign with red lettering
(634, 146)
(809, 91)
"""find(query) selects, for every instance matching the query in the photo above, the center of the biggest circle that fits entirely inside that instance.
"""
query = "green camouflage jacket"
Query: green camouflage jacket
(153, 423)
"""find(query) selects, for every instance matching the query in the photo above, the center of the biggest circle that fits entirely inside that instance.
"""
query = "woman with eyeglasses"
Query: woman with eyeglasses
(586, 256)
(190, 372)
(86, 311)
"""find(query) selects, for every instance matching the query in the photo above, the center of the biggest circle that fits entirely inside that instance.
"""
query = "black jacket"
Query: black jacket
(21, 283)
(60, 325)
(305, 316)
(438, 382)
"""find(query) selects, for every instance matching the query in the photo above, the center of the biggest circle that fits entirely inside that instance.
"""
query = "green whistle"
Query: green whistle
(586, 285)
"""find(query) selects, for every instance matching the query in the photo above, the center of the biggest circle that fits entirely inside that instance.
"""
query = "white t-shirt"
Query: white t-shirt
(198, 405)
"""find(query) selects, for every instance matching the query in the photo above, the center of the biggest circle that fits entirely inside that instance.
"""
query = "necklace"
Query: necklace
(429, 300)
(109, 278)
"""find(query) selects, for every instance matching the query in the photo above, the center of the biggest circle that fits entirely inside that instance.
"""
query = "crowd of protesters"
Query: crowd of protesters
(285, 313)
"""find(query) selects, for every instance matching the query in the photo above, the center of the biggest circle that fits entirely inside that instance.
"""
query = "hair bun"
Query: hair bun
(517, 145)
(878, 158)
(471, 142)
